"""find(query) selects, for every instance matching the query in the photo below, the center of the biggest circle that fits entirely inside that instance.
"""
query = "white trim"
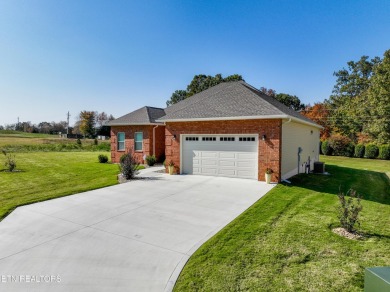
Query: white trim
(124, 141)
(135, 133)
(137, 124)
(245, 118)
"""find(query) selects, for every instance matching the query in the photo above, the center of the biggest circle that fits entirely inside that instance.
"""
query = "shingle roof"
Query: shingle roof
(143, 116)
(229, 100)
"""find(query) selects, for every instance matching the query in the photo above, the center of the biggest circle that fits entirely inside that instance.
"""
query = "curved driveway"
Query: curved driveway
(130, 237)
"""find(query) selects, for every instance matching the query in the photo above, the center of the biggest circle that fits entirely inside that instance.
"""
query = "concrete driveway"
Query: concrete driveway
(130, 237)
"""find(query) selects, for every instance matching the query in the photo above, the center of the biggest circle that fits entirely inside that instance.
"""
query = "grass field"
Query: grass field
(46, 175)
(13, 141)
(284, 241)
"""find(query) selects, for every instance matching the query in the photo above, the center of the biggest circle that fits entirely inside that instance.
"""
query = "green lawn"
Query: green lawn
(46, 175)
(284, 241)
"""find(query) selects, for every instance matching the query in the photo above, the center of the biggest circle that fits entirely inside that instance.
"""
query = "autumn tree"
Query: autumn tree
(319, 113)
(87, 123)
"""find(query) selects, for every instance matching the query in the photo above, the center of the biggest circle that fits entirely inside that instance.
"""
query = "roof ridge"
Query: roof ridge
(201, 99)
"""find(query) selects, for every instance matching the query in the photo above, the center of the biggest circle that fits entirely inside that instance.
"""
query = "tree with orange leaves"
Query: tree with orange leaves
(319, 113)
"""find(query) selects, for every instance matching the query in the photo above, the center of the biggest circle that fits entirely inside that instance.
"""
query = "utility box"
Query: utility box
(377, 279)
(319, 167)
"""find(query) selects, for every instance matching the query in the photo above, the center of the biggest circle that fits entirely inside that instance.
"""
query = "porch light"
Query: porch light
(174, 137)
(263, 137)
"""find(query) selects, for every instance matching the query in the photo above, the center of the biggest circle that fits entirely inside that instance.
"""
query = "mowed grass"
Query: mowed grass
(284, 241)
(47, 175)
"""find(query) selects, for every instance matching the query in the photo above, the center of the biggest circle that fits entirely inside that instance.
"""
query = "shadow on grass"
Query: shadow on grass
(371, 185)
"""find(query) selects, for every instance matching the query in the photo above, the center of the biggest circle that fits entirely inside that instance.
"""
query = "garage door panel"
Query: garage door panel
(227, 172)
(209, 171)
(231, 158)
(246, 156)
(225, 163)
(227, 155)
(206, 162)
(207, 154)
(246, 163)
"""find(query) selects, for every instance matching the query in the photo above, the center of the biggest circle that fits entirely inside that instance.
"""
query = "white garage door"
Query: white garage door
(220, 155)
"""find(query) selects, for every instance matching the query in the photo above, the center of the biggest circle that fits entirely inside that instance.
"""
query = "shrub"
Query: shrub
(78, 142)
(150, 160)
(349, 209)
(371, 151)
(128, 166)
(359, 150)
(10, 162)
(349, 150)
(384, 152)
(326, 148)
(341, 145)
(95, 141)
(103, 158)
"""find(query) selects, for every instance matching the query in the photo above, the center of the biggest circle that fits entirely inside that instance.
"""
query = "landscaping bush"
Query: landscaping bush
(384, 152)
(103, 158)
(349, 209)
(341, 145)
(359, 150)
(78, 142)
(326, 148)
(150, 160)
(95, 141)
(128, 166)
(371, 151)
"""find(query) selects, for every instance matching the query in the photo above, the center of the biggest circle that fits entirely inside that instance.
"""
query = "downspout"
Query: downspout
(154, 140)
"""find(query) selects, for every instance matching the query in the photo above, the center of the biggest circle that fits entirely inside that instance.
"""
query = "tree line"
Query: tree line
(358, 108)
(88, 124)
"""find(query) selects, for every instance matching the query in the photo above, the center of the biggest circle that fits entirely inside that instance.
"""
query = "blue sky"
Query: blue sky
(117, 56)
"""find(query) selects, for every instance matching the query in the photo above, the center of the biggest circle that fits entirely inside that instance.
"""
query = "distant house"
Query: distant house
(231, 129)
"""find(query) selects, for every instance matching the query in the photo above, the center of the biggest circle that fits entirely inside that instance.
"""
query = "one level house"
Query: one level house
(231, 129)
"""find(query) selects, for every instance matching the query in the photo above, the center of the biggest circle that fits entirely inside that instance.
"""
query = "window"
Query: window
(192, 139)
(209, 138)
(138, 139)
(247, 139)
(121, 141)
(226, 139)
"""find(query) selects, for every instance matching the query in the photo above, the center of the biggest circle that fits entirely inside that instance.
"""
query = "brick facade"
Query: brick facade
(147, 147)
(269, 150)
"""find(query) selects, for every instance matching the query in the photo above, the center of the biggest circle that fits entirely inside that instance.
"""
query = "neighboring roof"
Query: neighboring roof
(144, 116)
(231, 100)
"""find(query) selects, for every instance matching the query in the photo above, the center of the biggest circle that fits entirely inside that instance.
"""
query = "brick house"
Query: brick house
(231, 129)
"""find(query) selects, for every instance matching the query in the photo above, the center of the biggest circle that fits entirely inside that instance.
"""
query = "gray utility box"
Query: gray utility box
(377, 279)
(319, 167)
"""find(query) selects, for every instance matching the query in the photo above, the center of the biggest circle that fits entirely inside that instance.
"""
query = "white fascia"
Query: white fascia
(269, 117)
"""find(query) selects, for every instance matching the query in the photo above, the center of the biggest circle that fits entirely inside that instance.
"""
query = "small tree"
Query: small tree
(128, 166)
(349, 209)
(10, 162)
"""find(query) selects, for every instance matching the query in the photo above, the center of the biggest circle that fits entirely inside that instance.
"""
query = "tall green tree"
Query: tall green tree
(351, 84)
(199, 83)
(374, 106)
(292, 101)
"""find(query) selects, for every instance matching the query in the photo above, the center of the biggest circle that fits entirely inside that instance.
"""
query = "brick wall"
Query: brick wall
(269, 150)
(129, 141)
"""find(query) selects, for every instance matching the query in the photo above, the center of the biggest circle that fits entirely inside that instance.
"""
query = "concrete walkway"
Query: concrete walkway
(135, 236)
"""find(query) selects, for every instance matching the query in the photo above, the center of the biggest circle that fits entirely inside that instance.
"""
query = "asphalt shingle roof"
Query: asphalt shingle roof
(227, 100)
(143, 116)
